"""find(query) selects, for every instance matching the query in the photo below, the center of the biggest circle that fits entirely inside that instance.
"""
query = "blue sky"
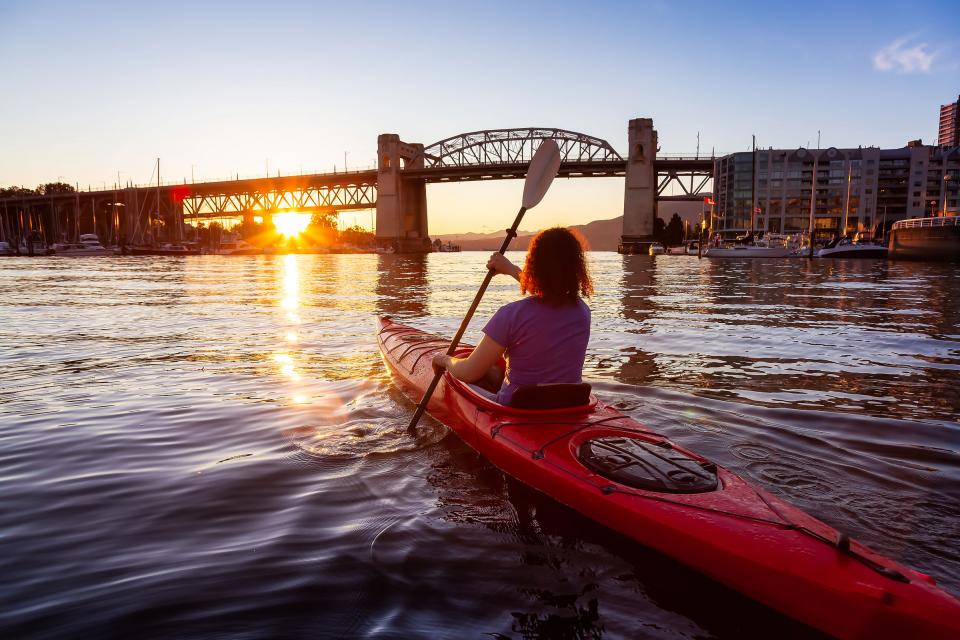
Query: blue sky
(91, 89)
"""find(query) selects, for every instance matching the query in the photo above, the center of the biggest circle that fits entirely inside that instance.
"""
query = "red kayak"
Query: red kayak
(612, 469)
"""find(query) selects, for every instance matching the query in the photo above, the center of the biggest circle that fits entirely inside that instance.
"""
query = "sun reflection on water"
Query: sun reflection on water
(290, 302)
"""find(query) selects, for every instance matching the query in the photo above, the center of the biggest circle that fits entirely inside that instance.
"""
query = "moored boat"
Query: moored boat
(89, 245)
(162, 250)
(936, 238)
(656, 249)
(33, 244)
(614, 470)
(237, 247)
(67, 249)
(752, 250)
(847, 248)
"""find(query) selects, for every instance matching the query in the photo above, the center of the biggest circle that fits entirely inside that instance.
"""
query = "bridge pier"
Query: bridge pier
(401, 202)
(640, 188)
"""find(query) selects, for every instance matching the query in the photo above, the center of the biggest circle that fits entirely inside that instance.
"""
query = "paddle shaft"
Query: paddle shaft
(511, 234)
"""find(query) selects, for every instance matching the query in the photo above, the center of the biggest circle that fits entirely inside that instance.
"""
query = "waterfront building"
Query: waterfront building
(854, 190)
(950, 124)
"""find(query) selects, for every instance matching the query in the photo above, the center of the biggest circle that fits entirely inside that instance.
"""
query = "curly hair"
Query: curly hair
(556, 267)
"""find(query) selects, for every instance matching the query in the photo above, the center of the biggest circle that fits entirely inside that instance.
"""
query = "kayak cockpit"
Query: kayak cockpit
(577, 391)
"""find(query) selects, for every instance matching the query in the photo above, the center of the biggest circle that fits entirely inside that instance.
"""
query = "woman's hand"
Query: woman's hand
(441, 361)
(474, 366)
(498, 263)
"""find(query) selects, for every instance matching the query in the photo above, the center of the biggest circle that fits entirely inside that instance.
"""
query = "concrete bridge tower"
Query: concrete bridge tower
(640, 187)
(401, 202)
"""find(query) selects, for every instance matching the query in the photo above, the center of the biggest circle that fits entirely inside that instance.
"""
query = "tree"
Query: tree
(357, 236)
(55, 187)
(250, 228)
(323, 221)
(16, 192)
(674, 231)
(658, 230)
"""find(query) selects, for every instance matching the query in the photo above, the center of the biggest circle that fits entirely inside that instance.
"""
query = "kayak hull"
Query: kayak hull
(738, 534)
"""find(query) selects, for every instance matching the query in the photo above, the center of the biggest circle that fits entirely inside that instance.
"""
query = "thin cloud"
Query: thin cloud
(903, 56)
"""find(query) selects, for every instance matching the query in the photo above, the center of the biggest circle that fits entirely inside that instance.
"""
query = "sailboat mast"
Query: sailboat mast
(753, 184)
(158, 199)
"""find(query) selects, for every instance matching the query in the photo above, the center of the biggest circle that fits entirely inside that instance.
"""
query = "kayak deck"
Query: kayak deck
(719, 524)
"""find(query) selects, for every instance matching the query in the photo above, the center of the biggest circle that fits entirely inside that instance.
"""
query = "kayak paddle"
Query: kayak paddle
(540, 174)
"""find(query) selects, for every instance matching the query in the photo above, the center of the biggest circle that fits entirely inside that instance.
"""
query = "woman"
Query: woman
(544, 336)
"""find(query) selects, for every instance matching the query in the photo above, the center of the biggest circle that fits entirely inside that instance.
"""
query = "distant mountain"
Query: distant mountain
(601, 235)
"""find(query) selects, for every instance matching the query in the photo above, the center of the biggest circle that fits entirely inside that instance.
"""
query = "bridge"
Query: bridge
(396, 188)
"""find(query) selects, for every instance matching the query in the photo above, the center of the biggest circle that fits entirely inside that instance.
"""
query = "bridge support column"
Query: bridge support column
(401, 202)
(640, 188)
(129, 218)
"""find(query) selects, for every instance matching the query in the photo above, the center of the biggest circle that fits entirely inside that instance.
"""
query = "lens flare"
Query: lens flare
(291, 224)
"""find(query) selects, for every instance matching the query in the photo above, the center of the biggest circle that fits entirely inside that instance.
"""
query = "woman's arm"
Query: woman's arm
(474, 366)
(499, 263)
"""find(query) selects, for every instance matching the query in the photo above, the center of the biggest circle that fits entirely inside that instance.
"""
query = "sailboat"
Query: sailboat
(152, 248)
(750, 246)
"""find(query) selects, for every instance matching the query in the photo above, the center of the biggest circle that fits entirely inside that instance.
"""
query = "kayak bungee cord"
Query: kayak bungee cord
(841, 544)
(539, 453)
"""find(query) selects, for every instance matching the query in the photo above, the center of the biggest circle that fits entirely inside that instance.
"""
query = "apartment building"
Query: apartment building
(950, 124)
(854, 190)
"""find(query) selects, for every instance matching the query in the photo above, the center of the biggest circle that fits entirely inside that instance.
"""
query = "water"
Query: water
(211, 447)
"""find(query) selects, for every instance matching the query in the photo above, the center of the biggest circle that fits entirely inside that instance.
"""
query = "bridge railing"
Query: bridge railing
(234, 177)
(688, 156)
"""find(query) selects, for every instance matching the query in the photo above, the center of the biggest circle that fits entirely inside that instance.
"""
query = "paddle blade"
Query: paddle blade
(541, 172)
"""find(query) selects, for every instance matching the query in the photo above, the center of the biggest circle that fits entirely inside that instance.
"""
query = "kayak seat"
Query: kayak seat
(551, 396)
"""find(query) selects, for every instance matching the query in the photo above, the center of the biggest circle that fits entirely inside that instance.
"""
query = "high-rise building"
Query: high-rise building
(854, 190)
(950, 124)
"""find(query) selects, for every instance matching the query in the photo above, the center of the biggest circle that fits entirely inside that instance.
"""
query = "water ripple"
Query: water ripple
(211, 447)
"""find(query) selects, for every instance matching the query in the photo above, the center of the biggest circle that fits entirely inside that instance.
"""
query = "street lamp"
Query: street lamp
(943, 189)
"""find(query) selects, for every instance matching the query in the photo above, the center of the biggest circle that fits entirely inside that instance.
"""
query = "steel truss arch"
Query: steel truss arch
(514, 146)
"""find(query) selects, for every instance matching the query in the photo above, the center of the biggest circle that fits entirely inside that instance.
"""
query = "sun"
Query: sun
(291, 224)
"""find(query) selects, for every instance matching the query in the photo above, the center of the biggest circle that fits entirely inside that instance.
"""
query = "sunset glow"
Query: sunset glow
(291, 224)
